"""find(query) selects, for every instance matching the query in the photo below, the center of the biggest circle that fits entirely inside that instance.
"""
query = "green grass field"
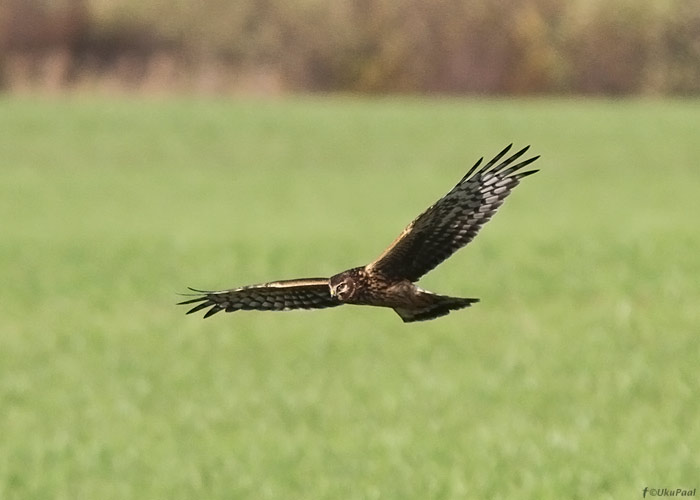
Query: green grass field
(575, 377)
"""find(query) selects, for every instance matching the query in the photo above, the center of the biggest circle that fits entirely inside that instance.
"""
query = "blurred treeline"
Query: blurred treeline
(411, 46)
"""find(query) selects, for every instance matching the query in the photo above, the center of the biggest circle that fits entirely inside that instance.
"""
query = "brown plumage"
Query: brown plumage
(432, 237)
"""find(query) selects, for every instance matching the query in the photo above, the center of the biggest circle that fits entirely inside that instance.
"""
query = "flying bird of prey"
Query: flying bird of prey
(437, 233)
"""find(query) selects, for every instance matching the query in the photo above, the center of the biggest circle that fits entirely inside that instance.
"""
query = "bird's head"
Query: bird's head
(342, 286)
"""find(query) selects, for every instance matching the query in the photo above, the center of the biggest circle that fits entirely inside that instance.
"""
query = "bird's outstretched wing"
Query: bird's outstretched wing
(454, 220)
(312, 293)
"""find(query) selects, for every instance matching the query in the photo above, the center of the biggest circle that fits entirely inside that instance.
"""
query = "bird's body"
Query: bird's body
(372, 288)
(432, 237)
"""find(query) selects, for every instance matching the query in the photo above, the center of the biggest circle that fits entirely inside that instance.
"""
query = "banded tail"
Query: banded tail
(441, 305)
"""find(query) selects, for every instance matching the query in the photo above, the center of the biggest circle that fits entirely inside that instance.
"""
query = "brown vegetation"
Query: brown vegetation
(413, 46)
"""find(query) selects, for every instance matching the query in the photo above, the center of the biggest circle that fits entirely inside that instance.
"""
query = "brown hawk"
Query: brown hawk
(431, 238)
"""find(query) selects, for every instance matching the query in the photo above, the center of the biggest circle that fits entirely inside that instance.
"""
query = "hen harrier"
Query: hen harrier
(431, 238)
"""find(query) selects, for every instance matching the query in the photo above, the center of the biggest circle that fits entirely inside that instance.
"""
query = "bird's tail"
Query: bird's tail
(440, 305)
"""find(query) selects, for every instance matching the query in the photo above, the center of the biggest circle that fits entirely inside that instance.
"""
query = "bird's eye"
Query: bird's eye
(341, 289)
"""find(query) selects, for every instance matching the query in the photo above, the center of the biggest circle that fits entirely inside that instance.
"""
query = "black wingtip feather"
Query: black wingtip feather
(520, 165)
(191, 301)
(212, 311)
(510, 160)
(199, 307)
(520, 175)
(498, 156)
(490, 165)
(522, 152)
(471, 170)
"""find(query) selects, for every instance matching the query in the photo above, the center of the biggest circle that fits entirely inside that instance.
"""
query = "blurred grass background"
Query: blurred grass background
(575, 377)
(128, 172)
